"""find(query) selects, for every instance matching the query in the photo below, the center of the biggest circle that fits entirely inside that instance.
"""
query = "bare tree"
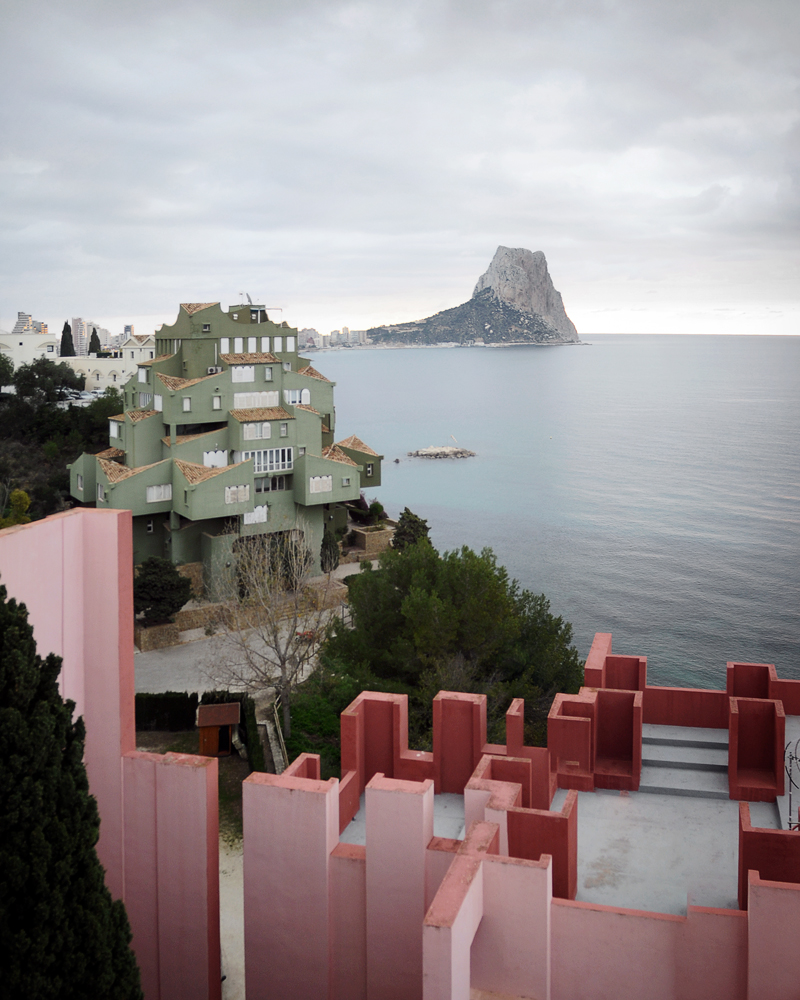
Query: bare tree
(274, 616)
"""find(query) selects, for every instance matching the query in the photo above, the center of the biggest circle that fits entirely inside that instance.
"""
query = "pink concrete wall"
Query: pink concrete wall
(511, 952)
(290, 830)
(459, 737)
(438, 858)
(755, 749)
(594, 672)
(773, 854)
(75, 573)
(533, 833)
(774, 958)
(626, 672)
(787, 692)
(348, 874)
(665, 706)
(399, 829)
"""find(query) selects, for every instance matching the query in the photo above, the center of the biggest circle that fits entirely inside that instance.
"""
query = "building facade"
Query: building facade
(114, 372)
(28, 341)
(227, 432)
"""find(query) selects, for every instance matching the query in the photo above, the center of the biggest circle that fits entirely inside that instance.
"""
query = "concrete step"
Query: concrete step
(683, 781)
(684, 736)
(689, 758)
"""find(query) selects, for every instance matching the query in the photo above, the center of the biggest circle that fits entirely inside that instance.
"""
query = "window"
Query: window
(151, 355)
(257, 516)
(187, 404)
(287, 366)
(186, 498)
(142, 374)
(80, 481)
(238, 345)
(252, 345)
(277, 344)
(145, 398)
(320, 484)
(254, 315)
(216, 403)
(370, 468)
(206, 328)
(270, 460)
(255, 400)
(236, 315)
(267, 374)
(150, 526)
(243, 373)
(301, 451)
(237, 494)
(114, 378)
(293, 396)
(345, 480)
(131, 354)
(290, 343)
(50, 348)
(265, 345)
(225, 344)
(273, 484)
(158, 402)
(113, 428)
(215, 459)
(101, 493)
(155, 494)
(97, 376)
(284, 430)
(254, 432)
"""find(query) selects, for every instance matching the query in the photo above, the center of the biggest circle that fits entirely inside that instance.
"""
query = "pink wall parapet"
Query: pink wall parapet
(159, 830)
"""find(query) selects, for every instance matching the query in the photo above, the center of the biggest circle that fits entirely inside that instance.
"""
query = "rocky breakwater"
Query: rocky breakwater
(514, 302)
(447, 451)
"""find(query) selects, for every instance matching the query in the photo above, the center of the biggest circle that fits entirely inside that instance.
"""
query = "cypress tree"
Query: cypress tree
(329, 553)
(63, 936)
(67, 346)
(94, 342)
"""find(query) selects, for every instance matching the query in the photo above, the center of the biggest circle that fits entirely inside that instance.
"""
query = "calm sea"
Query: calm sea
(648, 485)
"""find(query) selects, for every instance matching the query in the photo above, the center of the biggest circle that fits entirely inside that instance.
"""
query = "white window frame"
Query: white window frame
(277, 345)
(294, 397)
(256, 432)
(142, 375)
(284, 430)
(145, 399)
(345, 480)
(187, 404)
(79, 479)
(370, 468)
(320, 484)
(158, 402)
(101, 493)
(238, 345)
(258, 515)
(159, 493)
(237, 494)
(265, 345)
(255, 400)
(290, 344)
(225, 344)
(216, 403)
(113, 429)
(252, 345)
(268, 373)
(270, 460)
(243, 373)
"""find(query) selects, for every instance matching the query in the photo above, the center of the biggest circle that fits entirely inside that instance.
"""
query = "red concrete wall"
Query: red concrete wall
(788, 692)
(749, 680)
(626, 672)
(666, 706)
(595, 668)
(755, 749)
(534, 832)
(459, 735)
(571, 736)
(774, 854)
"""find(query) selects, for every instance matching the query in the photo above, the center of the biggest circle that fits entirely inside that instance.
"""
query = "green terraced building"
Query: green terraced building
(226, 433)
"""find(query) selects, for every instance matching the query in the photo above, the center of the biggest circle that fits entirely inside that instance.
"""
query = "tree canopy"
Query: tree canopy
(45, 380)
(6, 371)
(63, 936)
(410, 529)
(424, 622)
(329, 552)
(94, 342)
(67, 344)
(159, 591)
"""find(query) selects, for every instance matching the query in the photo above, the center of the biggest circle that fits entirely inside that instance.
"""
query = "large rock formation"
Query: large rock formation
(513, 302)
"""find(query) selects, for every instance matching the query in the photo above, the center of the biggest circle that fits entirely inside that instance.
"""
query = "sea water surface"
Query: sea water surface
(648, 485)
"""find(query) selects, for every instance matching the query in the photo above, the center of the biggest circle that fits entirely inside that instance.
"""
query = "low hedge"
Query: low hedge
(174, 711)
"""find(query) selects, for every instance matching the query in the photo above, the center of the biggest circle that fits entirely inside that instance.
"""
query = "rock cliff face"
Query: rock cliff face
(513, 302)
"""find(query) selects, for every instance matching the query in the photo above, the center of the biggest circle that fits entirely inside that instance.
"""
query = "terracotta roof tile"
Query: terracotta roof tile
(183, 438)
(110, 453)
(312, 373)
(194, 473)
(174, 382)
(357, 445)
(196, 307)
(118, 416)
(264, 413)
(335, 454)
(305, 406)
(137, 415)
(258, 358)
(115, 472)
(152, 361)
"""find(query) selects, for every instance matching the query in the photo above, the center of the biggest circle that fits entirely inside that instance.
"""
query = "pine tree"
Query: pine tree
(410, 529)
(67, 345)
(329, 553)
(159, 591)
(62, 935)
(94, 342)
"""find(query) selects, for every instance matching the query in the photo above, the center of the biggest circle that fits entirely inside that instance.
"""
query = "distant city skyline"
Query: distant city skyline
(649, 150)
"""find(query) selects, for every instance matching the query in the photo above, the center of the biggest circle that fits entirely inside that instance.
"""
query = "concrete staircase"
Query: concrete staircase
(678, 760)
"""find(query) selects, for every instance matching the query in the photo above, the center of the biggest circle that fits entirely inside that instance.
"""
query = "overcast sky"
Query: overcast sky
(359, 163)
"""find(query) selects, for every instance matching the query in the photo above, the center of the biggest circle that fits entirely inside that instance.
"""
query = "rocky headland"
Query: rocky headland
(514, 302)
(446, 451)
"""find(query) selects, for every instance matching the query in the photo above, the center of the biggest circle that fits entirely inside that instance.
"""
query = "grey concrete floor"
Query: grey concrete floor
(448, 819)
